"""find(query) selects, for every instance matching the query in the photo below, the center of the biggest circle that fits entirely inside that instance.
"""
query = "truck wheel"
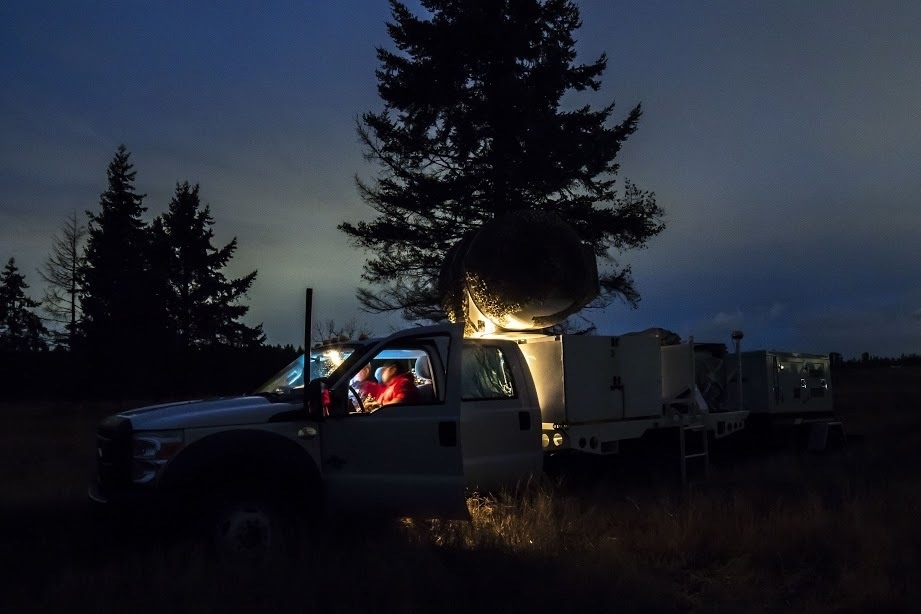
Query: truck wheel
(250, 529)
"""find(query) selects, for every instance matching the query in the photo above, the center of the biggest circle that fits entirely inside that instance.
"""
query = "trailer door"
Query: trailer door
(403, 459)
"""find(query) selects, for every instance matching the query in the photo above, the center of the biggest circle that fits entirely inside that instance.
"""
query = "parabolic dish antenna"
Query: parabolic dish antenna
(527, 270)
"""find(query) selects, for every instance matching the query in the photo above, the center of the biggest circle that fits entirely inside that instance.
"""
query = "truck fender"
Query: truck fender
(244, 458)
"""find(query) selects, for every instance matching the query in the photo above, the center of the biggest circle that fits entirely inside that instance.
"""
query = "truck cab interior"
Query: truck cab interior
(416, 361)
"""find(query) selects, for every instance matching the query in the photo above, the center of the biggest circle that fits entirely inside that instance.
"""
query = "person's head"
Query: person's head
(362, 375)
(389, 371)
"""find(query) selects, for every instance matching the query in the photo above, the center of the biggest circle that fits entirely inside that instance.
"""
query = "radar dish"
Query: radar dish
(527, 270)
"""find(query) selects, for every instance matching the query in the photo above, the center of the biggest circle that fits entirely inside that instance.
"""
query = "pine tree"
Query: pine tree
(202, 305)
(21, 330)
(121, 308)
(472, 127)
(61, 271)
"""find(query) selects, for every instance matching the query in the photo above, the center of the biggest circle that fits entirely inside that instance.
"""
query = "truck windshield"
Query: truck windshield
(323, 361)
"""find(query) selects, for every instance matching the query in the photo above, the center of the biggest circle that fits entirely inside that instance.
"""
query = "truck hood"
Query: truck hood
(215, 412)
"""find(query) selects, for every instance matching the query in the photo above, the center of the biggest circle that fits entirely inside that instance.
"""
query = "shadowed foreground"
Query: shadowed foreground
(774, 531)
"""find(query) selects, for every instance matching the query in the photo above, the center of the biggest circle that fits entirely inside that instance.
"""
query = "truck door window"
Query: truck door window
(485, 374)
(399, 376)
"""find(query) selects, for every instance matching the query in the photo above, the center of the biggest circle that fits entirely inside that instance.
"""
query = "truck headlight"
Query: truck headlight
(151, 450)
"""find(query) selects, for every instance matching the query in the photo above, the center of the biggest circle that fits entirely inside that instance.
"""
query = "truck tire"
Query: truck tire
(252, 527)
(252, 493)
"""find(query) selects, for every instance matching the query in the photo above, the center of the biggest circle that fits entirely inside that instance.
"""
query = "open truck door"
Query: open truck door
(501, 417)
(403, 459)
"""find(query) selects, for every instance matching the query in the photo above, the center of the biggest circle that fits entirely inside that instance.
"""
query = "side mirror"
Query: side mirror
(338, 402)
(314, 395)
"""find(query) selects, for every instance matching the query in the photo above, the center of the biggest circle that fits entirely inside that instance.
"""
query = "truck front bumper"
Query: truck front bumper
(141, 498)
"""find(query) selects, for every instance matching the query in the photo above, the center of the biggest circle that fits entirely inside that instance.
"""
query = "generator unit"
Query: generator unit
(786, 384)
(790, 392)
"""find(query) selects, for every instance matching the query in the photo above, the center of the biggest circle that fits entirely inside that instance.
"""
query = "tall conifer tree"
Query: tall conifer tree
(121, 307)
(21, 330)
(472, 127)
(202, 305)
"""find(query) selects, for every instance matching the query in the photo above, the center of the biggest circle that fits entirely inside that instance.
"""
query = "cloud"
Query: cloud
(728, 319)
(777, 309)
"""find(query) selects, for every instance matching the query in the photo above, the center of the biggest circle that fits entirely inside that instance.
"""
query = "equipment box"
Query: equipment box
(786, 382)
(705, 369)
(585, 378)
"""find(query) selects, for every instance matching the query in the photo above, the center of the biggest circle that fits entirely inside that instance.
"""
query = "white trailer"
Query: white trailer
(596, 391)
(786, 383)
(790, 390)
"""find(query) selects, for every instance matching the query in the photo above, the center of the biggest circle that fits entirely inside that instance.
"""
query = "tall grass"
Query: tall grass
(782, 532)
(725, 549)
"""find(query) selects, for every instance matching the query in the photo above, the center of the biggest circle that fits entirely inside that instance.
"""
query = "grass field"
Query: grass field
(772, 531)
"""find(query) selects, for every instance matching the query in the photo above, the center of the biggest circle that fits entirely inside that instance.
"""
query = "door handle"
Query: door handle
(447, 434)
(524, 420)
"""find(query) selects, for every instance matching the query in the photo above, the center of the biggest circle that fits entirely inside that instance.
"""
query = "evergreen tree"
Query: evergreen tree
(472, 127)
(61, 272)
(21, 330)
(202, 305)
(121, 308)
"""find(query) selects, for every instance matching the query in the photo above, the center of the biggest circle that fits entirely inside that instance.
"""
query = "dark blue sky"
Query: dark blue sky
(783, 139)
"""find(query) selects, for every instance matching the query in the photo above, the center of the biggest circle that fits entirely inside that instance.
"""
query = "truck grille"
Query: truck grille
(113, 451)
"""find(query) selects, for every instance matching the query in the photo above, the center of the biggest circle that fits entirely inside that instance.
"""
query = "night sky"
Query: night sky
(783, 139)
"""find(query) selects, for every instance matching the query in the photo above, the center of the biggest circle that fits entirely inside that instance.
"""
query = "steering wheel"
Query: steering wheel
(354, 393)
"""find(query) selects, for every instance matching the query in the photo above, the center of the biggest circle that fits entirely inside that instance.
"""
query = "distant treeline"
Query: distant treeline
(215, 371)
(122, 282)
(131, 307)
(869, 360)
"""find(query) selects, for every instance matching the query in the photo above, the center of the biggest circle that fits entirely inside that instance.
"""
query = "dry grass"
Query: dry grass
(782, 532)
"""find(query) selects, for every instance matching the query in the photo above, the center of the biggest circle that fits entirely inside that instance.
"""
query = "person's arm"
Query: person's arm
(372, 388)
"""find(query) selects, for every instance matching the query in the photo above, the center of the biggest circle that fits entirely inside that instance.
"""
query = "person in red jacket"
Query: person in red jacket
(397, 385)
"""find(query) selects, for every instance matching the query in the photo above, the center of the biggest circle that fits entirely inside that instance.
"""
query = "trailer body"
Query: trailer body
(786, 384)
(597, 391)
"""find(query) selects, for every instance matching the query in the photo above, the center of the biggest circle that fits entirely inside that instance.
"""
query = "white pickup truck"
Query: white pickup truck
(487, 410)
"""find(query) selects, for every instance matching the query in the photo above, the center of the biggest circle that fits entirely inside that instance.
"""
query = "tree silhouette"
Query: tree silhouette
(121, 308)
(61, 271)
(21, 330)
(202, 305)
(328, 330)
(472, 127)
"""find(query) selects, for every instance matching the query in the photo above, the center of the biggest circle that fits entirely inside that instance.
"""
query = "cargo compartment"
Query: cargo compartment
(584, 379)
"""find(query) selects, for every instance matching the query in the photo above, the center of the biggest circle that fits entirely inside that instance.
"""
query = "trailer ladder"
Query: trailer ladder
(695, 448)
(693, 423)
